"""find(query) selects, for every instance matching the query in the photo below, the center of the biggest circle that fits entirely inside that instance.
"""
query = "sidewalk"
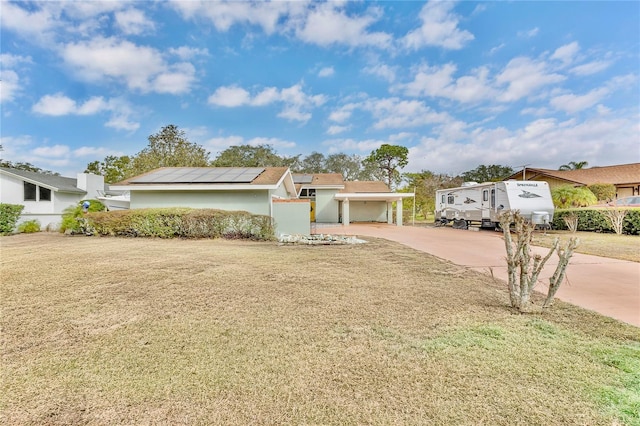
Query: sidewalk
(610, 287)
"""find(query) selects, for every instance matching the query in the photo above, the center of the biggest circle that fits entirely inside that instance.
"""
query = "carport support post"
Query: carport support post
(389, 212)
(399, 212)
(345, 212)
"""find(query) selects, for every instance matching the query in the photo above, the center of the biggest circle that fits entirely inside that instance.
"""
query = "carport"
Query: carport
(388, 198)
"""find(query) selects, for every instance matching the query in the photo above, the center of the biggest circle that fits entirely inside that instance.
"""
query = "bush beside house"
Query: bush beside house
(9, 215)
(594, 220)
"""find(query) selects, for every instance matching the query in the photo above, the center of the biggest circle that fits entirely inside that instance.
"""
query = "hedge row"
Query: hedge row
(595, 221)
(181, 223)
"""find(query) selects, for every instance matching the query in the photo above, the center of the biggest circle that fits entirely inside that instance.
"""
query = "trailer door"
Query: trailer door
(486, 205)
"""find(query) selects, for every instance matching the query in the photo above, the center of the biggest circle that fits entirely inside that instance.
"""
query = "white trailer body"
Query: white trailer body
(484, 203)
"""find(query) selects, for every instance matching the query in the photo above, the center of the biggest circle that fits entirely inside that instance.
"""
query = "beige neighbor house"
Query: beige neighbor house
(625, 177)
(46, 196)
(293, 201)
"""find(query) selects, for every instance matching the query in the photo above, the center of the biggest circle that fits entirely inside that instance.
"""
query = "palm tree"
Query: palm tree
(574, 165)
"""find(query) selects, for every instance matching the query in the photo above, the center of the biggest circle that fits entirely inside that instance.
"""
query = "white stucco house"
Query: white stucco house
(294, 201)
(46, 196)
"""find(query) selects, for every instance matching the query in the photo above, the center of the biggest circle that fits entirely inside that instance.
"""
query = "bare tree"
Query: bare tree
(524, 267)
(615, 217)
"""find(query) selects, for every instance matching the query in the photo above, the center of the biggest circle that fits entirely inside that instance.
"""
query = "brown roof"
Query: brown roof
(365, 187)
(327, 179)
(617, 175)
(270, 176)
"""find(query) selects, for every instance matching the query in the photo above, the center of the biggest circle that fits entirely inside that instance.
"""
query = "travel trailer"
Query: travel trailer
(483, 203)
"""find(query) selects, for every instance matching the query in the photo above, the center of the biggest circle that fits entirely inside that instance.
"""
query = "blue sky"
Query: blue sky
(458, 83)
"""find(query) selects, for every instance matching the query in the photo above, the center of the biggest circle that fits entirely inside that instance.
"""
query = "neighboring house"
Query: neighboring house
(625, 177)
(335, 201)
(46, 196)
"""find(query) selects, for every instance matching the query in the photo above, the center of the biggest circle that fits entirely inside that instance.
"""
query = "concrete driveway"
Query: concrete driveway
(610, 287)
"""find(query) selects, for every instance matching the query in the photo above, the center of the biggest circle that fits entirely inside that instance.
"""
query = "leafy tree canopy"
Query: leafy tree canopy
(574, 165)
(492, 173)
(253, 156)
(425, 184)
(169, 148)
(566, 196)
(114, 169)
(388, 159)
(27, 167)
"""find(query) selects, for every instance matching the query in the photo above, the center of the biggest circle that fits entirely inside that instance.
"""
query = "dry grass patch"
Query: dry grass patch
(135, 331)
(624, 247)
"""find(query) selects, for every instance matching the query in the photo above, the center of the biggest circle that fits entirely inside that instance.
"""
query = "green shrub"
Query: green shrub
(567, 196)
(592, 219)
(29, 227)
(603, 191)
(73, 217)
(182, 223)
(9, 215)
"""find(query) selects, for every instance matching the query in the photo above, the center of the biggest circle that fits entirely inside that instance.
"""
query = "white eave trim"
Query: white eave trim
(374, 196)
(191, 187)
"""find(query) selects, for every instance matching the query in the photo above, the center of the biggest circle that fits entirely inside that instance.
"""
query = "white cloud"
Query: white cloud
(590, 68)
(382, 70)
(327, 24)
(56, 105)
(141, 68)
(342, 145)
(529, 33)
(186, 52)
(438, 81)
(566, 54)
(343, 113)
(35, 24)
(396, 113)
(9, 85)
(95, 152)
(326, 72)
(274, 142)
(523, 76)
(439, 28)
(225, 14)
(571, 103)
(295, 102)
(335, 130)
(230, 96)
(60, 105)
(133, 22)
(600, 141)
(51, 151)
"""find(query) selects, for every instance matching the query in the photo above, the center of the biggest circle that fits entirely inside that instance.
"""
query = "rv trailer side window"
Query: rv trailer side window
(442, 199)
(493, 198)
(450, 199)
(485, 195)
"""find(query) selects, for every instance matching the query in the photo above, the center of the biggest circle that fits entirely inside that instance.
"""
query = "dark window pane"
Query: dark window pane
(29, 192)
(45, 194)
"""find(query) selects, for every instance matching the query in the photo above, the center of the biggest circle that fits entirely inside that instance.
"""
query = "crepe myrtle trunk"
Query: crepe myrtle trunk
(524, 267)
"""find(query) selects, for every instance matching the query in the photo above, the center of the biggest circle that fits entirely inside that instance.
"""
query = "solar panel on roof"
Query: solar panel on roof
(306, 178)
(201, 175)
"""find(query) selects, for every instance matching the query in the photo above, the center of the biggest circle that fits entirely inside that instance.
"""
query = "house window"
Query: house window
(45, 194)
(29, 192)
(308, 192)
